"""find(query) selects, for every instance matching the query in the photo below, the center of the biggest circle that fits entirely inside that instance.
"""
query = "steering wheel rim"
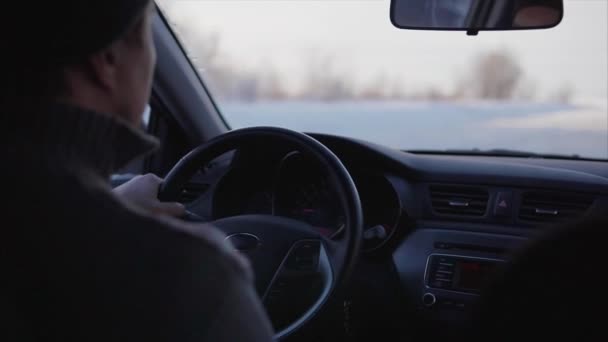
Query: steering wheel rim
(337, 257)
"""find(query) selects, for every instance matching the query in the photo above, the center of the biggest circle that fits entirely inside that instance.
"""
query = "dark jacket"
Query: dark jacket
(78, 264)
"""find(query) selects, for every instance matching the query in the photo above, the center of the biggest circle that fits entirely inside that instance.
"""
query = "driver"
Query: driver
(79, 261)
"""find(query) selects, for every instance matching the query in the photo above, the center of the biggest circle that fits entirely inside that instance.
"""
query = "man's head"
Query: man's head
(96, 54)
(538, 13)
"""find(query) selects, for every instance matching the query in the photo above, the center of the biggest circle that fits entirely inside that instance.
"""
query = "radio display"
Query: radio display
(459, 273)
(472, 275)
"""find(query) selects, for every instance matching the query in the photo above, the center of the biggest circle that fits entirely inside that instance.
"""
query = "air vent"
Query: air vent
(552, 207)
(192, 191)
(459, 200)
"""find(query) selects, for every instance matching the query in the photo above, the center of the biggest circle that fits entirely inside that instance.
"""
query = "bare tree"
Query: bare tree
(496, 75)
(526, 90)
(563, 94)
(374, 90)
(324, 82)
(272, 86)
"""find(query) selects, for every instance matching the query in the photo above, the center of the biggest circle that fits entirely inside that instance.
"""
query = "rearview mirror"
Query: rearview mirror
(476, 15)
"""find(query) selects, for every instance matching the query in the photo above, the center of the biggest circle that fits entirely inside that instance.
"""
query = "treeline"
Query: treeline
(495, 75)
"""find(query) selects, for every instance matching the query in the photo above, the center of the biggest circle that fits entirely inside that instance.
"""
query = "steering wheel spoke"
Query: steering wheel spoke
(301, 285)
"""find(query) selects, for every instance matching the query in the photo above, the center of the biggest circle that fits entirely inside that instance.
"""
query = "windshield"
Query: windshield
(340, 67)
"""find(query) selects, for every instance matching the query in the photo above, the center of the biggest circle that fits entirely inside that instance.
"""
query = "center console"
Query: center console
(444, 271)
(450, 278)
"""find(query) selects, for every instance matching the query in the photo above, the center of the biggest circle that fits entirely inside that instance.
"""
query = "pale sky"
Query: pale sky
(357, 34)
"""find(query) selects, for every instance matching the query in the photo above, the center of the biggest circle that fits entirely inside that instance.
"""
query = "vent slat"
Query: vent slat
(459, 200)
(556, 204)
(559, 210)
(456, 194)
(460, 212)
(536, 206)
(471, 203)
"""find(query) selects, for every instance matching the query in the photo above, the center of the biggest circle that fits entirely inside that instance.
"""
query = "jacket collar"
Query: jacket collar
(77, 137)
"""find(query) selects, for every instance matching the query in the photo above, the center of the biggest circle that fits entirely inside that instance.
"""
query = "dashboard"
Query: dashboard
(300, 189)
(436, 227)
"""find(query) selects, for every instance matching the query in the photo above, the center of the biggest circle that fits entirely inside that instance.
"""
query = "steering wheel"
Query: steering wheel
(283, 250)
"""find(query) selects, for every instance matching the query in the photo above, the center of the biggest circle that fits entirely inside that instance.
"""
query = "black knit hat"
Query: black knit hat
(40, 38)
(62, 31)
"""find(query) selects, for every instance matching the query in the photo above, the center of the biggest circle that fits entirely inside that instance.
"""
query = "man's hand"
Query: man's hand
(142, 192)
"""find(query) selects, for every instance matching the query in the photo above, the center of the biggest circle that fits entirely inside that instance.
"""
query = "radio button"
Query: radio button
(428, 299)
(445, 283)
(451, 304)
(437, 284)
(460, 305)
(445, 260)
(447, 304)
(443, 245)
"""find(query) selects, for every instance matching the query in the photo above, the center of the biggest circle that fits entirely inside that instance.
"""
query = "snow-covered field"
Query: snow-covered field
(580, 128)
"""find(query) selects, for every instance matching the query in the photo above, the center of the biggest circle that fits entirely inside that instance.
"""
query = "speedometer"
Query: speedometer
(302, 192)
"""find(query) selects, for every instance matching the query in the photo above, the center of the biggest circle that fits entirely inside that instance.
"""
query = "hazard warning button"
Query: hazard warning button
(503, 206)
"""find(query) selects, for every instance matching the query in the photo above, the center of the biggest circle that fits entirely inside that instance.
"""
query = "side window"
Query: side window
(174, 143)
(157, 121)
(137, 167)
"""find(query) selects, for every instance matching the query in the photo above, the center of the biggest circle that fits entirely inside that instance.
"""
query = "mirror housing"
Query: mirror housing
(476, 15)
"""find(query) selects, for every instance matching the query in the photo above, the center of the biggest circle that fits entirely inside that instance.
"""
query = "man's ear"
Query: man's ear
(103, 67)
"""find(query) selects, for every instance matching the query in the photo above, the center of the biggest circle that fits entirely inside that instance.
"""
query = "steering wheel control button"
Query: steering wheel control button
(428, 299)
(243, 242)
(304, 256)
(503, 205)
